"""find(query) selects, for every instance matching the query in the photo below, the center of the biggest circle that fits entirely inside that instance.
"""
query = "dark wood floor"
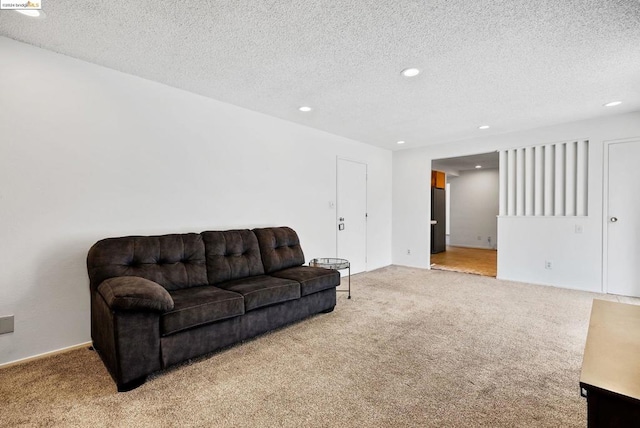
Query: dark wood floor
(468, 260)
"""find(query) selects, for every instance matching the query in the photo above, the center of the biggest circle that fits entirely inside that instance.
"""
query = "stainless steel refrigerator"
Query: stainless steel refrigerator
(438, 213)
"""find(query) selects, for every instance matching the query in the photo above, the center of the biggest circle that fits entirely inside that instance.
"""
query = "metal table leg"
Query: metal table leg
(349, 295)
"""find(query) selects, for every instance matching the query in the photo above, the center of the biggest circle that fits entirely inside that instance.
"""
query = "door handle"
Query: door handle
(613, 219)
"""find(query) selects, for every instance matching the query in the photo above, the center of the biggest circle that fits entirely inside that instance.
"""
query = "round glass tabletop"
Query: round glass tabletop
(329, 263)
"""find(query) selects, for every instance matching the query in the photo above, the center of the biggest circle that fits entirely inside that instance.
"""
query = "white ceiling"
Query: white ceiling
(512, 64)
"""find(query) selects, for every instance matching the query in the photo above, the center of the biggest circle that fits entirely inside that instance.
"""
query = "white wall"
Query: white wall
(524, 243)
(474, 208)
(87, 153)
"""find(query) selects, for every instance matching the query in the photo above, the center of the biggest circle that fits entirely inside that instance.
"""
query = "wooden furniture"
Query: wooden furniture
(610, 378)
(438, 179)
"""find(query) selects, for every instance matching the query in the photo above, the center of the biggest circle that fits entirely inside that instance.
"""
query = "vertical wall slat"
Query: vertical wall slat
(539, 181)
(570, 179)
(582, 177)
(520, 185)
(559, 179)
(545, 180)
(503, 182)
(549, 174)
(511, 184)
(529, 183)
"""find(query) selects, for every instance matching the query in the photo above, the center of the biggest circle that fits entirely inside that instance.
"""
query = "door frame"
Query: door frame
(605, 207)
(448, 212)
(366, 206)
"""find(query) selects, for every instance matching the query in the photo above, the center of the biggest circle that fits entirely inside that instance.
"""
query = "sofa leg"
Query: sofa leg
(124, 387)
(326, 311)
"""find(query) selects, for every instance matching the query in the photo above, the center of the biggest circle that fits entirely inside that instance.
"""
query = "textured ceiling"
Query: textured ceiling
(512, 64)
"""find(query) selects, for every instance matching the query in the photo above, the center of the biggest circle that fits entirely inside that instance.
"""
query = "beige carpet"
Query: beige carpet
(412, 348)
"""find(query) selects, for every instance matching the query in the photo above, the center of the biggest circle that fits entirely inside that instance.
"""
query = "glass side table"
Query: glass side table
(333, 263)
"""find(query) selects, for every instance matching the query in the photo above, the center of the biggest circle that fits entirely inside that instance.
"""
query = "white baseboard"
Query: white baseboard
(46, 354)
(473, 246)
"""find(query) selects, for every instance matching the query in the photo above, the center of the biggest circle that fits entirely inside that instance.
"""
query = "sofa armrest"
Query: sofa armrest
(135, 293)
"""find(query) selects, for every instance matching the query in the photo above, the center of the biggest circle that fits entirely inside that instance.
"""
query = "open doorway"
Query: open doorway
(464, 214)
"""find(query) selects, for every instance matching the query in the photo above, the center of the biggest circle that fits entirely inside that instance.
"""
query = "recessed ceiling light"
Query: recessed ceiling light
(484, 127)
(612, 104)
(401, 142)
(33, 13)
(305, 109)
(478, 166)
(410, 72)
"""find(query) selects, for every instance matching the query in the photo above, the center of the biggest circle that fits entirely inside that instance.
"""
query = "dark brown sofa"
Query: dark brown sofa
(160, 300)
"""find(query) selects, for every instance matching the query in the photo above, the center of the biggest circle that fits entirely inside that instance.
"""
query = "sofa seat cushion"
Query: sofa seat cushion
(311, 279)
(200, 305)
(263, 290)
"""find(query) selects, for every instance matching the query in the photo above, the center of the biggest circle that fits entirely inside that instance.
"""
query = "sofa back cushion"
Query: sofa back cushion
(279, 247)
(231, 254)
(174, 261)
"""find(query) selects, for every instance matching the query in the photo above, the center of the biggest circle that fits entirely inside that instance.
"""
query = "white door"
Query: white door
(623, 219)
(352, 214)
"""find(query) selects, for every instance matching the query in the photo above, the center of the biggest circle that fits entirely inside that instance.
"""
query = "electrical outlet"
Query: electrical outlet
(6, 324)
(548, 264)
(578, 228)
(479, 238)
(408, 252)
